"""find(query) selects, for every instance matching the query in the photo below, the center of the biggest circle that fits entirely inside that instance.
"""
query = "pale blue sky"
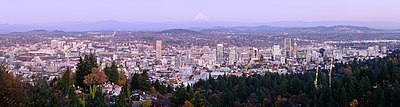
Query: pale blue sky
(248, 11)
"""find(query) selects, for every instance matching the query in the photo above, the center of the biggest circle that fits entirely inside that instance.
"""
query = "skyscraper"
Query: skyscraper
(294, 50)
(276, 51)
(54, 44)
(384, 49)
(233, 56)
(219, 54)
(158, 49)
(287, 47)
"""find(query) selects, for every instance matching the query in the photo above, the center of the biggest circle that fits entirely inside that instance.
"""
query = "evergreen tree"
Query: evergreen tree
(135, 83)
(123, 97)
(98, 100)
(84, 67)
(112, 73)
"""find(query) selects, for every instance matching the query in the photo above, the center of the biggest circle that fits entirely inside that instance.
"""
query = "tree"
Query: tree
(180, 96)
(96, 77)
(121, 79)
(93, 79)
(187, 104)
(241, 90)
(135, 83)
(199, 100)
(81, 72)
(147, 103)
(145, 82)
(84, 67)
(215, 100)
(112, 73)
(65, 92)
(98, 100)
(364, 85)
(41, 94)
(12, 93)
(65, 83)
(140, 81)
(123, 97)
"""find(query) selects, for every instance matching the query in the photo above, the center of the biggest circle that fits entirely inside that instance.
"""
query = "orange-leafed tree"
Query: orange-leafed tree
(96, 77)
(187, 104)
(93, 79)
(121, 79)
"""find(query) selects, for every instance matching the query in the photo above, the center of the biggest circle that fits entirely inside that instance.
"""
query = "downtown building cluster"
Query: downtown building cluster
(177, 65)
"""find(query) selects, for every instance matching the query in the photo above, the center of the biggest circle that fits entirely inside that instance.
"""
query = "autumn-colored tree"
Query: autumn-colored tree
(12, 94)
(187, 104)
(96, 77)
(146, 103)
(93, 79)
(121, 79)
(354, 103)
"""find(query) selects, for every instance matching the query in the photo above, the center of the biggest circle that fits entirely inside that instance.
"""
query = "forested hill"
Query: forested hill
(373, 82)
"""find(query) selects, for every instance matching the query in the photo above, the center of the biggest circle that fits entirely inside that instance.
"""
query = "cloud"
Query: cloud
(201, 17)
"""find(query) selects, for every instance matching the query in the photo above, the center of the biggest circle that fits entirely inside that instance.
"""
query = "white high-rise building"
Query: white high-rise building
(60, 45)
(294, 50)
(276, 51)
(384, 50)
(233, 56)
(54, 44)
(372, 51)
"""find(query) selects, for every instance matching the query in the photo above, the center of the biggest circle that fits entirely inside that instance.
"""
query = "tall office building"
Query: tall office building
(287, 47)
(384, 50)
(158, 49)
(276, 51)
(219, 54)
(60, 45)
(233, 56)
(294, 50)
(54, 44)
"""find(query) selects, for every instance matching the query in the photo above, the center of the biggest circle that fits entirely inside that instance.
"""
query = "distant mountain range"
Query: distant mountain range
(180, 31)
(269, 29)
(206, 27)
(317, 29)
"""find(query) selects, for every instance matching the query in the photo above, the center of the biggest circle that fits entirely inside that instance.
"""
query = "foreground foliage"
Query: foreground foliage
(373, 82)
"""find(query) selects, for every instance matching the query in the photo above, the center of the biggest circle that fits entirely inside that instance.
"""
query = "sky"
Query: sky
(245, 11)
